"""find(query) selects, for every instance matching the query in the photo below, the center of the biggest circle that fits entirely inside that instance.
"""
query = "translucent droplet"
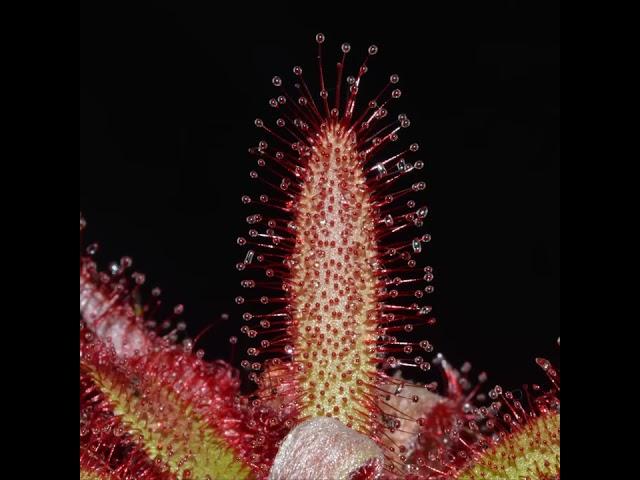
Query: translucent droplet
(297, 70)
(395, 78)
(416, 245)
(126, 262)
(115, 268)
(380, 169)
(259, 123)
(543, 363)
(320, 38)
(425, 366)
(373, 49)
(92, 249)
(396, 93)
(277, 81)
(249, 257)
(253, 219)
(345, 47)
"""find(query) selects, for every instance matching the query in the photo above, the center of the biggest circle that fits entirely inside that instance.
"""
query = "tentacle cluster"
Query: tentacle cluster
(526, 440)
(499, 437)
(330, 251)
(151, 407)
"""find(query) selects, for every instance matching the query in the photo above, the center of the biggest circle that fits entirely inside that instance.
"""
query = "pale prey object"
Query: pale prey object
(322, 448)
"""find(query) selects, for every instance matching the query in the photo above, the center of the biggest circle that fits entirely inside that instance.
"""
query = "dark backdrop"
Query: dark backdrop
(168, 95)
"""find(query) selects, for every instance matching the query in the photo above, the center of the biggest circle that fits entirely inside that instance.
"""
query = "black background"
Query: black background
(168, 95)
